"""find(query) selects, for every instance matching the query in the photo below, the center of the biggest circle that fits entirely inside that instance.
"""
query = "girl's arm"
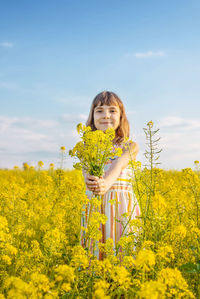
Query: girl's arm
(101, 185)
(119, 164)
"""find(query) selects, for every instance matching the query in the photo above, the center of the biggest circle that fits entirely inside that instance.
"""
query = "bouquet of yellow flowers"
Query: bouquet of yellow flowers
(94, 149)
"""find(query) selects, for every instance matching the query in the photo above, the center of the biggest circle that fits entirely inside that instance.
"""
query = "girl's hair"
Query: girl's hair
(110, 98)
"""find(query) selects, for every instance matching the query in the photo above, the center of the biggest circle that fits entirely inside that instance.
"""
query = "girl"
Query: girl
(107, 111)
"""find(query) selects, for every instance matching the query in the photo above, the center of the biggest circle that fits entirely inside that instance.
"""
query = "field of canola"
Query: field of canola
(40, 255)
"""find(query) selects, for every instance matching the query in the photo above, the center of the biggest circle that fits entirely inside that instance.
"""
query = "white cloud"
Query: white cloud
(179, 122)
(6, 44)
(149, 54)
(19, 135)
(180, 141)
(29, 139)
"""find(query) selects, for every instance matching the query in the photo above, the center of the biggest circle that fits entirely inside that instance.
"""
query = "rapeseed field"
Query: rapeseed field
(40, 227)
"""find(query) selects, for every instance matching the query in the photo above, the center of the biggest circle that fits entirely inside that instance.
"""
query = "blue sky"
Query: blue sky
(55, 56)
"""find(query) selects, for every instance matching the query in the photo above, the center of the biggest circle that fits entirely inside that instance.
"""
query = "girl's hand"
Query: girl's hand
(91, 182)
(95, 184)
(101, 187)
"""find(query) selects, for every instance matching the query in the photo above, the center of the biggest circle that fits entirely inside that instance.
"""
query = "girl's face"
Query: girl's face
(107, 117)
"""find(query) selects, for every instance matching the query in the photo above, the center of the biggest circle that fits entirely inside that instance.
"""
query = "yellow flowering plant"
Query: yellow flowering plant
(40, 251)
(94, 149)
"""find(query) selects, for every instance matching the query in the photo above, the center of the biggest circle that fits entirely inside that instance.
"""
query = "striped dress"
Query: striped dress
(119, 199)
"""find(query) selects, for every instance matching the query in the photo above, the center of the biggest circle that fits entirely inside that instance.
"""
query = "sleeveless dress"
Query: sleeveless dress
(119, 199)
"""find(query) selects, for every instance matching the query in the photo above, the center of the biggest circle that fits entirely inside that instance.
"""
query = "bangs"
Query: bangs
(105, 99)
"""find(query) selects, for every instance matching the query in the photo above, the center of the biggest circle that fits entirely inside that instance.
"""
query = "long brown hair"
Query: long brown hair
(110, 98)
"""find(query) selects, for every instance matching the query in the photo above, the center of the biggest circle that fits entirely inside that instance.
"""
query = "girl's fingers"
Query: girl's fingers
(100, 189)
(89, 183)
(91, 188)
(101, 183)
(92, 177)
(95, 184)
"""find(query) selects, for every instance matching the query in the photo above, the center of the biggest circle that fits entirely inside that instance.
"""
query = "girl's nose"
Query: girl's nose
(106, 114)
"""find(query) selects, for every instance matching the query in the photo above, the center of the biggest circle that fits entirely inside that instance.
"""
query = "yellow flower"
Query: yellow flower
(100, 294)
(153, 289)
(62, 148)
(11, 249)
(6, 259)
(127, 243)
(165, 252)
(145, 260)
(26, 166)
(181, 231)
(158, 203)
(107, 266)
(150, 124)
(121, 277)
(175, 283)
(147, 244)
(94, 150)
(79, 127)
(93, 226)
(40, 164)
(79, 258)
(128, 262)
(40, 281)
(196, 162)
(107, 247)
(66, 287)
(17, 288)
(101, 284)
(64, 273)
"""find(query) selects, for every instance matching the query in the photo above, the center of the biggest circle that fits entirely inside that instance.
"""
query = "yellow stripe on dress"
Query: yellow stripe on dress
(124, 180)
